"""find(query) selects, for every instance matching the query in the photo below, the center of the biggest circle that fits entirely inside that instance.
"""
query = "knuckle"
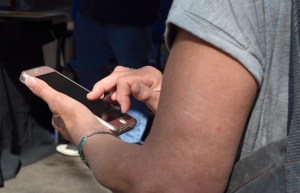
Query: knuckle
(147, 68)
(119, 68)
(56, 104)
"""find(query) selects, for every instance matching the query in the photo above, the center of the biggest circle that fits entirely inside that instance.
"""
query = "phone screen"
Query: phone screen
(101, 108)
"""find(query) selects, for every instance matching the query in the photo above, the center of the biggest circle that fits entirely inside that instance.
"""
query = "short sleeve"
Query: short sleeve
(232, 26)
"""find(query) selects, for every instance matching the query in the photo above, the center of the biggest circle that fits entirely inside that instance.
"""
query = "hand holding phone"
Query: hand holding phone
(107, 114)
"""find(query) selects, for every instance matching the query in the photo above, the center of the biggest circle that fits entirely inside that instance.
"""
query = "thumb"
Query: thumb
(39, 88)
(30, 82)
(141, 92)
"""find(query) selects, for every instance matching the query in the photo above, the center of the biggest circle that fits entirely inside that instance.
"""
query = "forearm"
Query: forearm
(112, 161)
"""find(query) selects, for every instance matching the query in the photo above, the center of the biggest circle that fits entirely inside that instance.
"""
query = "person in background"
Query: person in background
(159, 53)
(223, 95)
(114, 32)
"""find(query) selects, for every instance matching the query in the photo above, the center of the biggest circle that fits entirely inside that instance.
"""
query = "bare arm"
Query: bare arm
(205, 100)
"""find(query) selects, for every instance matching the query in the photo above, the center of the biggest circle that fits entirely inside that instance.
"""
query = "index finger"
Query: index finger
(102, 86)
(106, 84)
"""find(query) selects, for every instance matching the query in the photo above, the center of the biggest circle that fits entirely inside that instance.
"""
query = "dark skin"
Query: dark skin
(202, 104)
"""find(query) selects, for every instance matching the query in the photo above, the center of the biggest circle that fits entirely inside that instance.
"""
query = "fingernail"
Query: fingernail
(57, 122)
(30, 81)
(121, 108)
(138, 88)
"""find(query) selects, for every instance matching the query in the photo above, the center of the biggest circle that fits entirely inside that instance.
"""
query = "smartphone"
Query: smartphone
(107, 114)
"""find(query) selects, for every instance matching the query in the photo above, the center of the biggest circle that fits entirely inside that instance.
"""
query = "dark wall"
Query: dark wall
(45, 5)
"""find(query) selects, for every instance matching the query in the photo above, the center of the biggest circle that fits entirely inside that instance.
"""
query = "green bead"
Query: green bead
(80, 146)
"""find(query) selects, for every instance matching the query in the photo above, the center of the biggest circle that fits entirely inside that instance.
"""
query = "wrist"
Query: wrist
(86, 138)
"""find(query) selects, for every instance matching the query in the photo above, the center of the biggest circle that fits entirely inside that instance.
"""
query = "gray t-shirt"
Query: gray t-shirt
(256, 33)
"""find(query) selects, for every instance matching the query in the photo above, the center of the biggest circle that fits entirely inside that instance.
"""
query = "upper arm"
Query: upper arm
(205, 101)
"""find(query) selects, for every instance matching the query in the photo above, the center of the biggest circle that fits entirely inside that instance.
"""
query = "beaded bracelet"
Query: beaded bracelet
(84, 139)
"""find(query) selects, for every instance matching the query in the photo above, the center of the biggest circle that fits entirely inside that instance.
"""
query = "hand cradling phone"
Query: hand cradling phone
(109, 115)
